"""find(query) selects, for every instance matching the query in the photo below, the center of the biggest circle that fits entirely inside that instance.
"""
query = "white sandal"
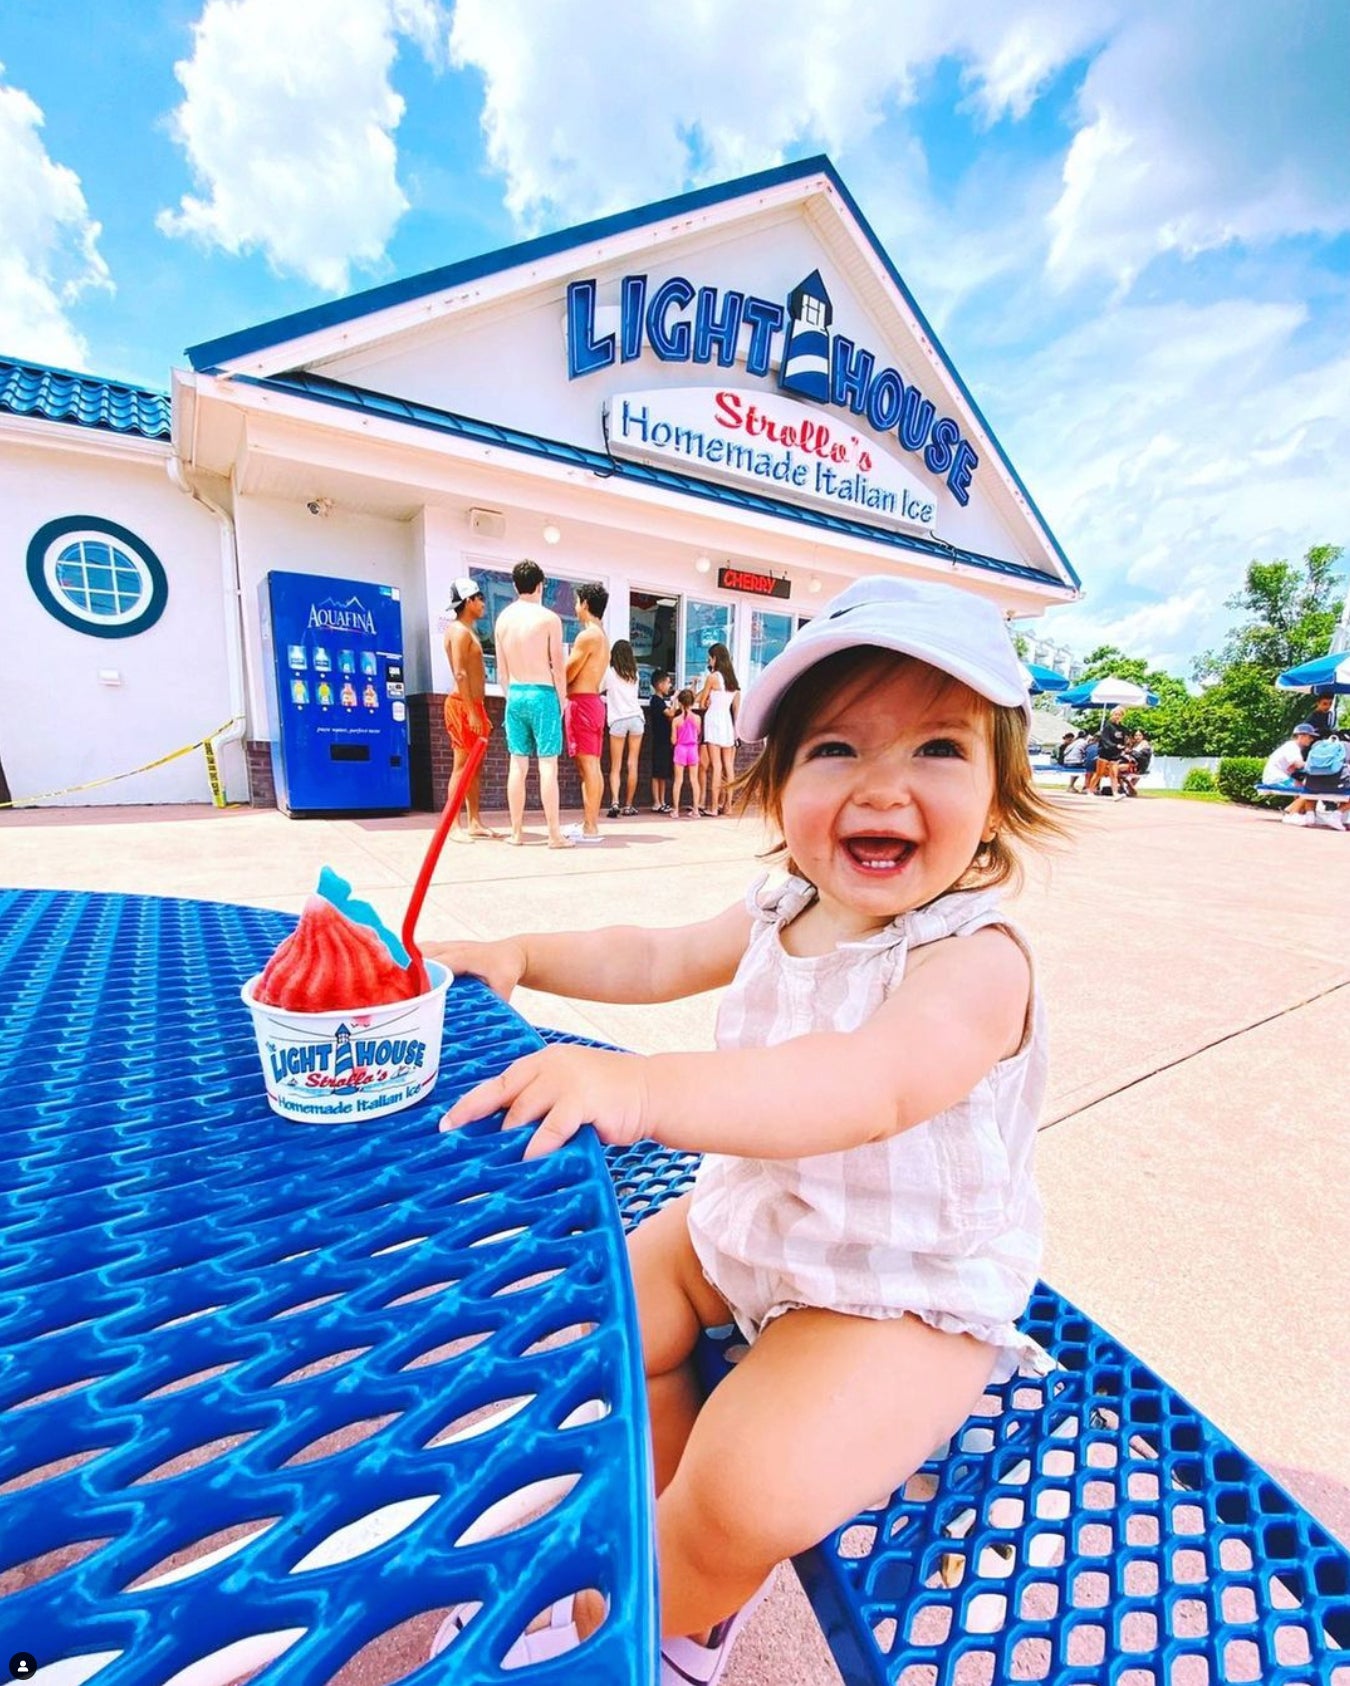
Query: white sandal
(558, 1636)
(684, 1662)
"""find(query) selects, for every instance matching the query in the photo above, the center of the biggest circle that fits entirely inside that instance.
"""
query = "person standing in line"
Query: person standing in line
(720, 697)
(659, 710)
(531, 670)
(620, 687)
(466, 715)
(685, 731)
(584, 717)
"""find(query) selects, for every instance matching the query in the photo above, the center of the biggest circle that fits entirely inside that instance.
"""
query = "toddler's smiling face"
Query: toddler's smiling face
(890, 793)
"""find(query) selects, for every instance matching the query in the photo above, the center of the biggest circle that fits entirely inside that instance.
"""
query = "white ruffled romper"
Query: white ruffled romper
(942, 1220)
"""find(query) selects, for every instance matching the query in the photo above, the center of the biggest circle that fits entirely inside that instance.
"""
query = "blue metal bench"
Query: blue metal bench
(1086, 1526)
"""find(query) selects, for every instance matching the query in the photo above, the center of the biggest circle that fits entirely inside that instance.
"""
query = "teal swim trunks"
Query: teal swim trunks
(533, 720)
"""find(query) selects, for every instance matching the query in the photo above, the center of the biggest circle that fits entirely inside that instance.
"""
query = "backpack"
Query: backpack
(1327, 755)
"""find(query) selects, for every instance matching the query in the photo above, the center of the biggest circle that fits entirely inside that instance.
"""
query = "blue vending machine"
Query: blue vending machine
(333, 652)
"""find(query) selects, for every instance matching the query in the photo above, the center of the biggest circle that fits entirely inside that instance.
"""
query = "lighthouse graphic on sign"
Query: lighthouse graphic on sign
(343, 1063)
(806, 353)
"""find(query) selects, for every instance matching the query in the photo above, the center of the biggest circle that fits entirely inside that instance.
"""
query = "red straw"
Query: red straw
(453, 802)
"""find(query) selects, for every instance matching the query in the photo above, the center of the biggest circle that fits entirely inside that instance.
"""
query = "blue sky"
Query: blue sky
(1129, 220)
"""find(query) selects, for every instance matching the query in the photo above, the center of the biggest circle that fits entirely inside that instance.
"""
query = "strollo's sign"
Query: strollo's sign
(813, 361)
(782, 448)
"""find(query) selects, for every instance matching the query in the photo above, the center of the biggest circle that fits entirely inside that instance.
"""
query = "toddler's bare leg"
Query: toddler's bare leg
(675, 1303)
(824, 1415)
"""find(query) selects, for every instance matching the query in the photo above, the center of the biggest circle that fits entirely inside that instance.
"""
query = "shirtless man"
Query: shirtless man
(585, 713)
(466, 716)
(530, 669)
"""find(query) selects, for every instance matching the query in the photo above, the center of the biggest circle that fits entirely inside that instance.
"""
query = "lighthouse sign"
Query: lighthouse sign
(779, 447)
(814, 361)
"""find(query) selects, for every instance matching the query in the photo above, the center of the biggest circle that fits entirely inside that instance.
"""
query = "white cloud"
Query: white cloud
(49, 255)
(1202, 125)
(596, 106)
(288, 123)
(1171, 444)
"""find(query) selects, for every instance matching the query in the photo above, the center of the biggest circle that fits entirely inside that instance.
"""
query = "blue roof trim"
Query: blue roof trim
(61, 395)
(212, 353)
(326, 391)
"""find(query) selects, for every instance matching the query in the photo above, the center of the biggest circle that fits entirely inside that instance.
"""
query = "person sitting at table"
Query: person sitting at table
(1138, 759)
(1088, 765)
(866, 1214)
(1285, 765)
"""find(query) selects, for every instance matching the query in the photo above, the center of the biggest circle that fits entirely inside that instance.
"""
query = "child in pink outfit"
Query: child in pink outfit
(685, 730)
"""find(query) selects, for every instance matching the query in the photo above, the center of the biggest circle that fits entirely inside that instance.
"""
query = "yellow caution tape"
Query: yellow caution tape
(217, 794)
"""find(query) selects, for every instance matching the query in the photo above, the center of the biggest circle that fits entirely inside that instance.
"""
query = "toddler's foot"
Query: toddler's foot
(686, 1662)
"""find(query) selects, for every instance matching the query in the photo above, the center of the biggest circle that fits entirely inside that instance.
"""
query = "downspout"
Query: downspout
(230, 592)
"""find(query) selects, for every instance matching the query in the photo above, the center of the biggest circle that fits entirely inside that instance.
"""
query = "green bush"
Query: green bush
(1199, 778)
(1238, 778)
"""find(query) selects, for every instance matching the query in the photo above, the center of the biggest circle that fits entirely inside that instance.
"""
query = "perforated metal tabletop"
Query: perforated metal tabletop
(272, 1391)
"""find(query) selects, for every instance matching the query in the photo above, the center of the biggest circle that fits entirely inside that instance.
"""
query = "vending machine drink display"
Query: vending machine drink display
(333, 651)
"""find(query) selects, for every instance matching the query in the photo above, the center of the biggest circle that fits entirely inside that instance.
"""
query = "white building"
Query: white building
(610, 400)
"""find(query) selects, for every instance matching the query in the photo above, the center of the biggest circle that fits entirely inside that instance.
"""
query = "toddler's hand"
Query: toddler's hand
(500, 965)
(564, 1087)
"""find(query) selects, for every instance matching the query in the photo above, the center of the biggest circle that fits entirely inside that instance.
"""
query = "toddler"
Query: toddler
(685, 731)
(866, 1213)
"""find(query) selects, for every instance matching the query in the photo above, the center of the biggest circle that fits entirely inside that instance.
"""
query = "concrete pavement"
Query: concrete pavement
(1195, 960)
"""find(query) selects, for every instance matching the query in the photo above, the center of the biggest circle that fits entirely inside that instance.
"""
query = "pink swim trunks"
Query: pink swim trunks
(584, 724)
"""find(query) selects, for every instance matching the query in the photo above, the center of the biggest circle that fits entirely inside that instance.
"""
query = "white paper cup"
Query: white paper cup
(324, 1068)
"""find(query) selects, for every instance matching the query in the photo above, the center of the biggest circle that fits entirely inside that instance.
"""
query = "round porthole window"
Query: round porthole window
(96, 577)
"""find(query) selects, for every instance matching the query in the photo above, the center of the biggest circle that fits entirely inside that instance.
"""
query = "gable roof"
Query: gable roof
(213, 356)
(60, 395)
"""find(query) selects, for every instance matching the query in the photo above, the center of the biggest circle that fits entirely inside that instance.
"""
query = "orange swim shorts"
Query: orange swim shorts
(466, 722)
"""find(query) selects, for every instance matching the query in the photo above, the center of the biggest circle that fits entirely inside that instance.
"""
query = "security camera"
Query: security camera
(320, 506)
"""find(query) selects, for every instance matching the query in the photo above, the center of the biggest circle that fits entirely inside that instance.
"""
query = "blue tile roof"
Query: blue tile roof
(325, 391)
(32, 389)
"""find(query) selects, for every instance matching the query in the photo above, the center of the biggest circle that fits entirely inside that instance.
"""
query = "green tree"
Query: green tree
(1290, 612)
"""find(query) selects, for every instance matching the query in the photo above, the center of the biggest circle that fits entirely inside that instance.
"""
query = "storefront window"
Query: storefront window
(499, 593)
(769, 634)
(705, 624)
(653, 631)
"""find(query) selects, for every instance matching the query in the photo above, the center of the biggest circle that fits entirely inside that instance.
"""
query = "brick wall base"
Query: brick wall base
(262, 789)
(430, 760)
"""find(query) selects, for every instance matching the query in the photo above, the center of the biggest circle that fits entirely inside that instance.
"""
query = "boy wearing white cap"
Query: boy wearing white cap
(466, 715)
(866, 1213)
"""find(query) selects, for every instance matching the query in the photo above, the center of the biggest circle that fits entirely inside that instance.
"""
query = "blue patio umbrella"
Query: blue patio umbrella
(1326, 676)
(1042, 680)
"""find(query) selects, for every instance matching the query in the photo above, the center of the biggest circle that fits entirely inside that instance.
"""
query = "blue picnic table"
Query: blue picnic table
(276, 1395)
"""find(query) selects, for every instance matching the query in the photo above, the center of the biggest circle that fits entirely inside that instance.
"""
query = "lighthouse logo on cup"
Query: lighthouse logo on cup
(325, 1067)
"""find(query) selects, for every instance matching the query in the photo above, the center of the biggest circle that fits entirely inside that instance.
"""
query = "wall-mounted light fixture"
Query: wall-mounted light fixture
(813, 584)
(552, 532)
(704, 564)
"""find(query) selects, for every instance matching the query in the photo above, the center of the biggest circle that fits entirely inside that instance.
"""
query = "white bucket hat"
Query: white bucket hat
(950, 629)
